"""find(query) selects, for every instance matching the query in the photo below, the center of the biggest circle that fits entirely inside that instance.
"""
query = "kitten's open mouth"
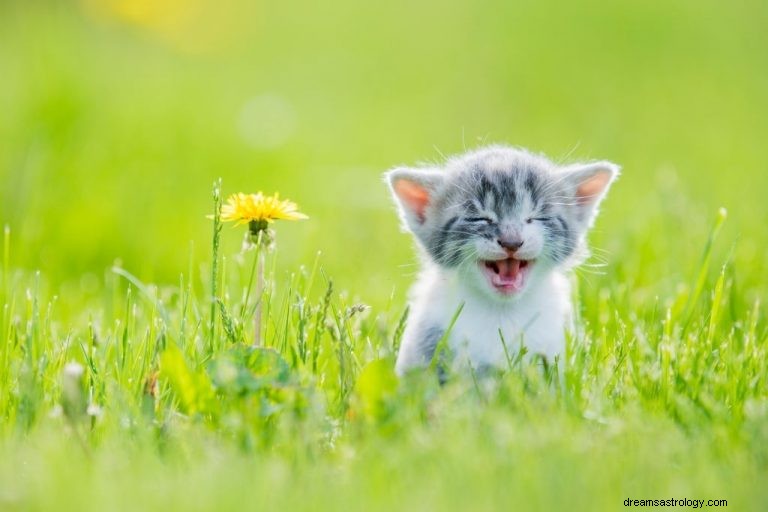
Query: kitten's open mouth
(506, 276)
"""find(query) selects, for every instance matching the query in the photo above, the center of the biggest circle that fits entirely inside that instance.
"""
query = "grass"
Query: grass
(173, 411)
(112, 133)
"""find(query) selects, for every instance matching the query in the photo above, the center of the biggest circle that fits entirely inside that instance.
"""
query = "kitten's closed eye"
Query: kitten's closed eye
(486, 220)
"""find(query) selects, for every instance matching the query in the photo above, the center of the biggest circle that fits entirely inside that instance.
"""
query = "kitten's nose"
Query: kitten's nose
(511, 244)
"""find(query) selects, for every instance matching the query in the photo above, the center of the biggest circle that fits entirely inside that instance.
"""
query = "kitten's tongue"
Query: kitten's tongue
(507, 276)
(509, 270)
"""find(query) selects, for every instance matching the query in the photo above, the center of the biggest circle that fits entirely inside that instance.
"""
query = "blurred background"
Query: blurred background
(116, 116)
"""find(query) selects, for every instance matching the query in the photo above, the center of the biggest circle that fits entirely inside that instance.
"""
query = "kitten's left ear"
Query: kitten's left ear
(413, 190)
(588, 183)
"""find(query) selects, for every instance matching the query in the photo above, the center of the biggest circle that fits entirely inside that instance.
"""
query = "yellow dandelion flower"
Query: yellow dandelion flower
(259, 208)
(258, 211)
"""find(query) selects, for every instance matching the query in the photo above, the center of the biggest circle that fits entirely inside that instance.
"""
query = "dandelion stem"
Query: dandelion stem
(259, 297)
(247, 298)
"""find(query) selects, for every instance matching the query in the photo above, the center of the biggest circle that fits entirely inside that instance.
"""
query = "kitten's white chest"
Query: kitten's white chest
(538, 321)
(488, 334)
(488, 337)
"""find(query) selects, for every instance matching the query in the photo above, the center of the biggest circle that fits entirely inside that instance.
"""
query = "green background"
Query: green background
(116, 117)
(112, 132)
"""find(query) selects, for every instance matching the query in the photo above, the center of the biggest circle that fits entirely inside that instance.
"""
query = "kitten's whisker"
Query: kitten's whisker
(460, 186)
(470, 256)
(593, 265)
(601, 250)
(586, 273)
(563, 204)
(562, 159)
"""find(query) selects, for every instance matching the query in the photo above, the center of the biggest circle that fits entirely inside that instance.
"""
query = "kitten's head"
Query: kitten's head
(501, 218)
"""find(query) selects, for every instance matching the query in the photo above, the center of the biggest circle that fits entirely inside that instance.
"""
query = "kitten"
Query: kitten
(498, 228)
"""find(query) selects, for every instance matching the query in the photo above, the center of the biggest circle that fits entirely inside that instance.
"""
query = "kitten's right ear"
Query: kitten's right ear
(588, 184)
(413, 190)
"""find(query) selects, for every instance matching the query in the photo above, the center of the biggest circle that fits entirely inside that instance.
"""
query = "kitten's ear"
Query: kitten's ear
(588, 183)
(413, 190)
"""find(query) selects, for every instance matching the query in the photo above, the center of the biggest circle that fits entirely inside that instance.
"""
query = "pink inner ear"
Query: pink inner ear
(413, 195)
(590, 189)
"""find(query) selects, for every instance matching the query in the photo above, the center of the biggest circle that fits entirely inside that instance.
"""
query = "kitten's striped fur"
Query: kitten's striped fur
(498, 228)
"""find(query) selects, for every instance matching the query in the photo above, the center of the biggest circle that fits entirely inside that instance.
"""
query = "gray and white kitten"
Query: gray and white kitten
(498, 229)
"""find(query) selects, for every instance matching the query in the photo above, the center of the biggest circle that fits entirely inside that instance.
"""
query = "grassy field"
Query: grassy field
(119, 392)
